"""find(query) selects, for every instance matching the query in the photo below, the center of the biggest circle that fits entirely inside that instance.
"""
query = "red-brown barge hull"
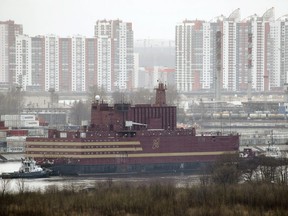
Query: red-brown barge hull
(153, 151)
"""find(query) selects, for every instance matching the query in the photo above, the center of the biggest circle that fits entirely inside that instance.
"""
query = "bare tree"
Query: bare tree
(95, 90)
(283, 171)
(5, 184)
(142, 96)
(80, 111)
(248, 167)
(139, 96)
(172, 96)
(21, 185)
(268, 168)
(12, 101)
(119, 97)
(225, 170)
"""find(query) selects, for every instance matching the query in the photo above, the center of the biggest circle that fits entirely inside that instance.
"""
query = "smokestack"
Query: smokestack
(160, 95)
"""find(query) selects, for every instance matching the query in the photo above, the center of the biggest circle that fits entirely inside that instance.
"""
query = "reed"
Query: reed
(150, 199)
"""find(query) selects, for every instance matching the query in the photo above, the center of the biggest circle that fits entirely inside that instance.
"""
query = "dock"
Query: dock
(15, 156)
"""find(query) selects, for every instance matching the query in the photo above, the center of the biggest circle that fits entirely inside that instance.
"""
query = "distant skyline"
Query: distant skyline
(151, 19)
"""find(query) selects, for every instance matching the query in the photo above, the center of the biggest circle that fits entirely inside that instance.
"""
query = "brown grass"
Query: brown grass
(154, 199)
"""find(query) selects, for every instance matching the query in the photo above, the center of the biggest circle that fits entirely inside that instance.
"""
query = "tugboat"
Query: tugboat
(28, 169)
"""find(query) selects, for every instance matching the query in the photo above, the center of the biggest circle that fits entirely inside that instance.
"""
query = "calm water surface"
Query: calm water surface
(86, 182)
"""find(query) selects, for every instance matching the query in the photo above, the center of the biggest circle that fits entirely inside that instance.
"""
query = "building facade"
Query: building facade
(23, 66)
(8, 32)
(115, 59)
(65, 64)
(52, 63)
(248, 55)
(78, 64)
(38, 64)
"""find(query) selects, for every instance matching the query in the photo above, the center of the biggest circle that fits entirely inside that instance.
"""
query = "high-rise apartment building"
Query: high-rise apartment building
(37, 64)
(189, 55)
(261, 50)
(23, 76)
(65, 64)
(78, 64)
(279, 33)
(230, 58)
(51, 63)
(105, 62)
(8, 32)
(91, 62)
(115, 62)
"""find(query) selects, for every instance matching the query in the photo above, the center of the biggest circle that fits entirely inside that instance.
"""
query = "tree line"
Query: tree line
(11, 102)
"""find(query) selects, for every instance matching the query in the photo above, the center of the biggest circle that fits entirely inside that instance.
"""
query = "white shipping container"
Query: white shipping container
(3, 140)
(3, 117)
(12, 139)
(2, 134)
(10, 117)
(31, 124)
(19, 123)
(15, 149)
(14, 117)
(12, 123)
(84, 122)
(36, 132)
(27, 117)
(63, 135)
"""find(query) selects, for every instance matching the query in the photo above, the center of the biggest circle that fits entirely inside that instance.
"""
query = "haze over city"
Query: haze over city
(150, 19)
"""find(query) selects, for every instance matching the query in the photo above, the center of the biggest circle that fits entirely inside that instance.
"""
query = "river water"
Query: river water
(15, 185)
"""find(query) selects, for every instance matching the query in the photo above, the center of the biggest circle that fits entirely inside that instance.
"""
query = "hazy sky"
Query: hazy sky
(154, 19)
